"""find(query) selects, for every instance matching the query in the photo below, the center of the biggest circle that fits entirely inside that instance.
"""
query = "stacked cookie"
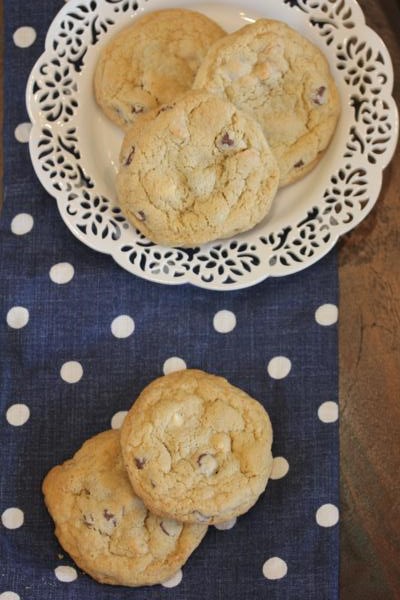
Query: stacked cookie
(131, 506)
(214, 123)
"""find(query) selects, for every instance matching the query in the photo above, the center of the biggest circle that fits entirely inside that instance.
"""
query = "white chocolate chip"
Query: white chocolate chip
(170, 527)
(177, 419)
(208, 464)
(222, 442)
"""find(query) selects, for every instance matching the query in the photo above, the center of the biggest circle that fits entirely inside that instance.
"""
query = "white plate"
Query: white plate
(74, 148)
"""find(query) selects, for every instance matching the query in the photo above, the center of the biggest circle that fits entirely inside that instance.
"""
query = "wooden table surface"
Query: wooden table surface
(369, 335)
(369, 356)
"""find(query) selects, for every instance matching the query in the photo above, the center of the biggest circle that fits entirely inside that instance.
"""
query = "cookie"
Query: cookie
(151, 62)
(276, 75)
(196, 448)
(105, 527)
(194, 171)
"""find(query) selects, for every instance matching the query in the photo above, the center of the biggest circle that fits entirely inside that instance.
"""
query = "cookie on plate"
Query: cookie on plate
(194, 171)
(151, 62)
(196, 448)
(273, 73)
(105, 527)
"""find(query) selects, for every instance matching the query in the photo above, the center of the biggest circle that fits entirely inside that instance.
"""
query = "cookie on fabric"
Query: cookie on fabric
(105, 527)
(151, 62)
(273, 73)
(194, 171)
(196, 448)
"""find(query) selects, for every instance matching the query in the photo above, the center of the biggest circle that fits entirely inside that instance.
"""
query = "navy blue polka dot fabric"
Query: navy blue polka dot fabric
(79, 340)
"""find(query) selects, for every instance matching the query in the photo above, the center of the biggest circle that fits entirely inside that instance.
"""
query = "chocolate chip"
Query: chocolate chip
(107, 515)
(164, 108)
(129, 158)
(137, 109)
(201, 458)
(140, 215)
(318, 96)
(140, 462)
(227, 141)
(299, 164)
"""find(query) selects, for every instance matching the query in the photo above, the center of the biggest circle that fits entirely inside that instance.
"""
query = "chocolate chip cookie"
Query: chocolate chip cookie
(105, 527)
(151, 62)
(196, 448)
(274, 74)
(194, 171)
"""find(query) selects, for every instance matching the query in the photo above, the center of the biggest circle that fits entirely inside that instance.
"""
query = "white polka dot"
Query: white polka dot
(17, 317)
(274, 568)
(327, 515)
(279, 367)
(18, 414)
(280, 467)
(21, 224)
(9, 596)
(118, 419)
(328, 412)
(12, 518)
(172, 364)
(71, 371)
(173, 581)
(327, 314)
(65, 574)
(61, 273)
(22, 132)
(24, 37)
(224, 321)
(226, 524)
(122, 326)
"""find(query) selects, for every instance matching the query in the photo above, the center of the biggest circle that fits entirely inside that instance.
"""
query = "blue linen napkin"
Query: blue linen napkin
(79, 340)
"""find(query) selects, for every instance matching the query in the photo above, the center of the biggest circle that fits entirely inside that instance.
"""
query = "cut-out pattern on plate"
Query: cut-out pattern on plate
(364, 75)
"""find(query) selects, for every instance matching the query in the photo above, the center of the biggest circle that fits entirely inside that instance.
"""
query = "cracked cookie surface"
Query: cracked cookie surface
(196, 448)
(105, 527)
(273, 73)
(194, 171)
(151, 62)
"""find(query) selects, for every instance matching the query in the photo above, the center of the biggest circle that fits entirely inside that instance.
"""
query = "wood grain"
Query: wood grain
(369, 335)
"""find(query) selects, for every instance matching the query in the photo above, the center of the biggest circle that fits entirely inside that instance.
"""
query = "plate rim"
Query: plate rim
(197, 281)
